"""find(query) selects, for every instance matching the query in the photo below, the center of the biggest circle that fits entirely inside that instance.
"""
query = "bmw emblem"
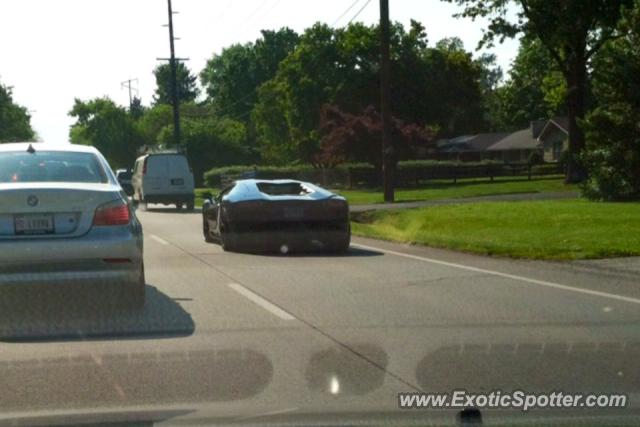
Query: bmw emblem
(32, 201)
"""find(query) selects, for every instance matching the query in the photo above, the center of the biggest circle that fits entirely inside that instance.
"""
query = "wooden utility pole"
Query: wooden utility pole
(174, 82)
(388, 161)
(128, 84)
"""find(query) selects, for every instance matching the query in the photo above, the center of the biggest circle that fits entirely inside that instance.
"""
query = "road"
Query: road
(239, 336)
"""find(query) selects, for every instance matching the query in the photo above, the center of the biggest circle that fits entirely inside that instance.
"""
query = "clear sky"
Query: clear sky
(54, 51)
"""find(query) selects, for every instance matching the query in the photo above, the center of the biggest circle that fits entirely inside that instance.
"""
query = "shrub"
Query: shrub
(612, 153)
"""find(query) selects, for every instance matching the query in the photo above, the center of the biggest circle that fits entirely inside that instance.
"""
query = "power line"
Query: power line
(252, 14)
(253, 91)
(345, 12)
(224, 10)
(359, 12)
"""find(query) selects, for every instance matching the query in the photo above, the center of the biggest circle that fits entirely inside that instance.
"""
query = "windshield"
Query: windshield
(50, 166)
(361, 212)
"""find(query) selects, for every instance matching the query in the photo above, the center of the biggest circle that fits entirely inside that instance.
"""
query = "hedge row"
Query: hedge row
(212, 176)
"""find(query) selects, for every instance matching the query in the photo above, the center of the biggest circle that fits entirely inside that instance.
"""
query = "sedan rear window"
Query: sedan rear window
(51, 166)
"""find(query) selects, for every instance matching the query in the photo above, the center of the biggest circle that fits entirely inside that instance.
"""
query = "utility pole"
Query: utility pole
(128, 84)
(173, 63)
(388, 162)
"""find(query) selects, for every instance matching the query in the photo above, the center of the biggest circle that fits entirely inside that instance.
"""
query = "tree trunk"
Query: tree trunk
(576, 90)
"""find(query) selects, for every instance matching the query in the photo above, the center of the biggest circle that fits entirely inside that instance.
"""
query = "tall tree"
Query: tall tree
(231, 78)
(15, 122)
(435, 86)
(186, 84)
(534, 90)
(571, 30)
(612, 153)
(108, 127)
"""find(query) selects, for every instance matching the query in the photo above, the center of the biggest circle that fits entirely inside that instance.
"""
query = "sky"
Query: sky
(54, 51)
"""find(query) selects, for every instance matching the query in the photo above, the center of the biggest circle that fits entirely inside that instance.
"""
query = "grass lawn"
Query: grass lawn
(562, 229)
(463, 188)
(447, 190)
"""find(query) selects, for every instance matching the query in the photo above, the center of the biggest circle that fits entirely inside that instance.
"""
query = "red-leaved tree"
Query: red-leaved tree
(358, 138)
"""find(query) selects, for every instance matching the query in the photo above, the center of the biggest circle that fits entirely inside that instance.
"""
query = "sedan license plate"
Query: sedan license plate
(33, 224)
(177, 181)
(293, 213)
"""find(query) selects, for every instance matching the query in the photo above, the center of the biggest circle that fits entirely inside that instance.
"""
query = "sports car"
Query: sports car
(279, 215)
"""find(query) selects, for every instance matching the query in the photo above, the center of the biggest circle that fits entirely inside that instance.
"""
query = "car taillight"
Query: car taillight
(112, 214)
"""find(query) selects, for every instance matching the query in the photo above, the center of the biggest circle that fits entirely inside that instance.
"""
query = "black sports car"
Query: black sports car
(279, 215)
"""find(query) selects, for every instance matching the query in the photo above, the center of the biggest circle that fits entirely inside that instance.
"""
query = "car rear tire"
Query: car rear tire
(341, 245)
(228, 241)
(206, 232)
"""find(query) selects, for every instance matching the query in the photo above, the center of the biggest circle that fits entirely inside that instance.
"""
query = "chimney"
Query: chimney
(537, 126)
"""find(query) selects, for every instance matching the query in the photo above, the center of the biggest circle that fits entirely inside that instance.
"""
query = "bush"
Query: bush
(612, 154)
(339, 175)
(535, 158)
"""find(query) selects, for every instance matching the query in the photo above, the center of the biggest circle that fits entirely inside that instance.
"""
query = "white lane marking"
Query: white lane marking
(257, 299)
(158, 239)
(505, 275)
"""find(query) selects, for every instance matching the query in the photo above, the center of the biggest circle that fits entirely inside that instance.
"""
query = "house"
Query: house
(469, 148)
(515, 147)
(547, 137)
(554, 138)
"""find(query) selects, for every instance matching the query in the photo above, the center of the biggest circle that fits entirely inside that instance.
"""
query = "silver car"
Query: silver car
(64, 219)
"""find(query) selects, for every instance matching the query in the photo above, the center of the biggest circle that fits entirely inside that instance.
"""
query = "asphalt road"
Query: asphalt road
(256, 337)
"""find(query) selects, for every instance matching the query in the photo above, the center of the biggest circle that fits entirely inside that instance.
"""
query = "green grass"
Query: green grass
(447, 190)
(563, 229)
(464, 188)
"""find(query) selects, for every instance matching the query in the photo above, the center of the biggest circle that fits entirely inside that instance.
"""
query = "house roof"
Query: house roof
(519, 140)
(559, 123)
(472, 143)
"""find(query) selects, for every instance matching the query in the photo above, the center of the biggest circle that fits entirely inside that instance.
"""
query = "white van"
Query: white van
(163, 178)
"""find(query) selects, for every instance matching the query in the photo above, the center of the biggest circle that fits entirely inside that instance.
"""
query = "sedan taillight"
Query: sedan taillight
(112, 214)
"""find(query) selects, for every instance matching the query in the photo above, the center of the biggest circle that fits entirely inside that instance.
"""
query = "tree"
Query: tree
(15, 122)
(534, 90)
(231, 79)
(435, 86)
(351, 137)
(108, 127)
(572, 31)
(612, 153)
(136, 109)
(186, 84)
(210, 142)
